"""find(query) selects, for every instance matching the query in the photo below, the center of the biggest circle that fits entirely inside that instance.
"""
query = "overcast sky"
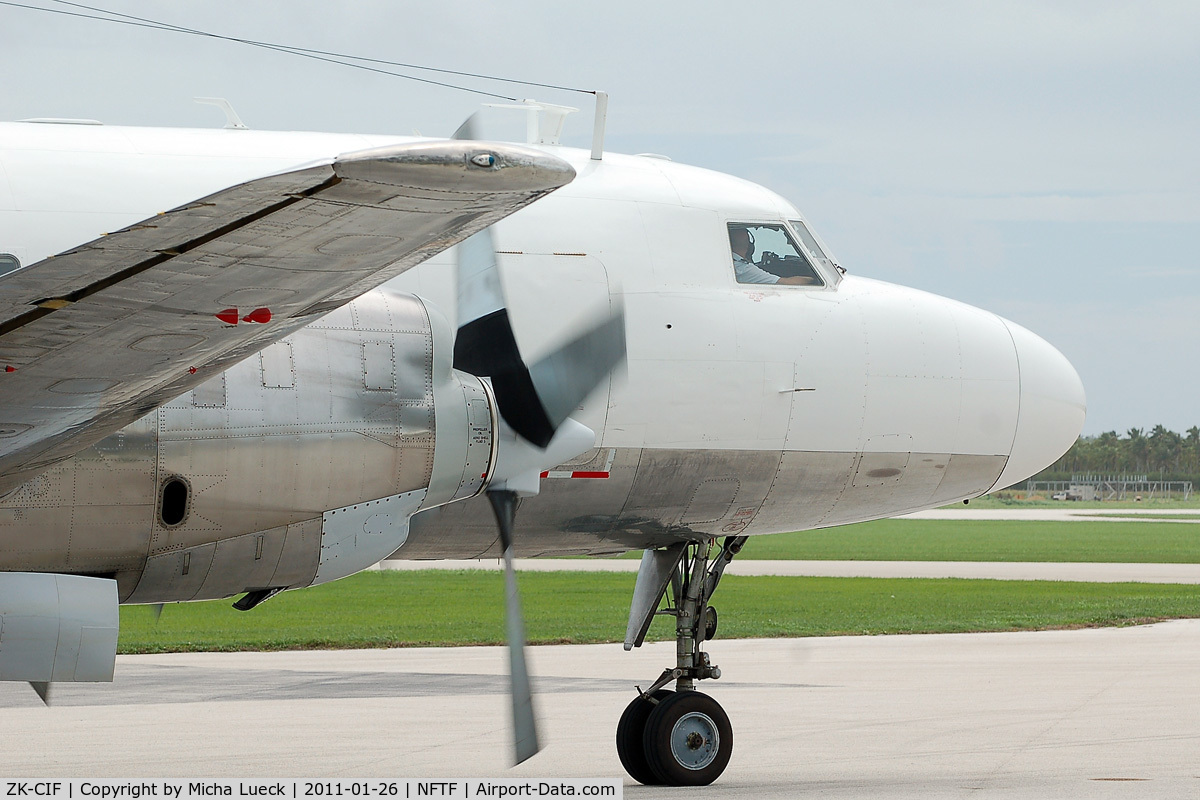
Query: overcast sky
(1040, 159)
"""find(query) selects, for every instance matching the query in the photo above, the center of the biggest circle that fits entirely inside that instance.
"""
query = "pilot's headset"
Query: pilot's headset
(750, 236)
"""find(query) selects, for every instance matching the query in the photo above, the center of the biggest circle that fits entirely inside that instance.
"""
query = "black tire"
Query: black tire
(688, 740)
(631, 731)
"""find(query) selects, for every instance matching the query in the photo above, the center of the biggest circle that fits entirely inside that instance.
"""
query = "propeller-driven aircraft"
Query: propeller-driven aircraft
(237, 362)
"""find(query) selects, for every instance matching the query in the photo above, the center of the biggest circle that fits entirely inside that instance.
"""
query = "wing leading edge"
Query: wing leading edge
(97, 337)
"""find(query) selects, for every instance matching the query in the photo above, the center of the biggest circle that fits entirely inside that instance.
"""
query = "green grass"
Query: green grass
(397, 609)
(985, 540)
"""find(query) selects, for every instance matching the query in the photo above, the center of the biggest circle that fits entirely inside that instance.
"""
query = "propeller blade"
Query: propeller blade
(534, 402)
(535, 405)
(480, 295)
(525, 739)
(485, 345)
(564, 378)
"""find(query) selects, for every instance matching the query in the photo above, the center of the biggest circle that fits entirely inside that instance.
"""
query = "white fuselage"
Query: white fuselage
(743, 408)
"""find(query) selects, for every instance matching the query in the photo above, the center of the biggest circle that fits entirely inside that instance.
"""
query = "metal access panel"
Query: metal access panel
(379, 367)
(278, 366)
(57, 627)
(210, 394)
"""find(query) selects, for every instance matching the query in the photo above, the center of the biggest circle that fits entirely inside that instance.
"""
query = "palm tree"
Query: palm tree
(1138, 448)
(1192, 449)
(1108, 455)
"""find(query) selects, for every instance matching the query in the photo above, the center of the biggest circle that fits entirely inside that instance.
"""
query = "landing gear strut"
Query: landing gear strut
(679, 738)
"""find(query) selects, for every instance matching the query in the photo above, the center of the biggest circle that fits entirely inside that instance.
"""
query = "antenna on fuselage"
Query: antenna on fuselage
(544, 121)
(232, 120)
(601, 117)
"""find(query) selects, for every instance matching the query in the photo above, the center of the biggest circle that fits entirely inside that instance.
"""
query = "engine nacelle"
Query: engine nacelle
(57, 627)
(465, 446)
(228, 488)
(368, 393)
(467, 423)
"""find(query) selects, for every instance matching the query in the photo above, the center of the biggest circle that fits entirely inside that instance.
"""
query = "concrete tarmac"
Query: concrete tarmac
(995, 570)
(1067, 512)
(1089, 713)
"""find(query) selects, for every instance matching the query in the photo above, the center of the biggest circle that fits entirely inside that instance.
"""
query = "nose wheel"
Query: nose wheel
(631, 736)
(680, 738)
(675, 739)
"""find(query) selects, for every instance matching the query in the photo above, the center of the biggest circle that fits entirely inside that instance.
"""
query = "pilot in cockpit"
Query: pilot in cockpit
(746, 271)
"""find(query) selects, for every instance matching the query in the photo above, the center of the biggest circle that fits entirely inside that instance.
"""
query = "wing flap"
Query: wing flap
(96, 337)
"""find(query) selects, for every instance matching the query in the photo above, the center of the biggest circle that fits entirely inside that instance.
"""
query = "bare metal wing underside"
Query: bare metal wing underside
(94, 338)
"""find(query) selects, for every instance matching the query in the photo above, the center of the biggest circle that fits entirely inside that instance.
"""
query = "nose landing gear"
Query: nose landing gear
(680, 738)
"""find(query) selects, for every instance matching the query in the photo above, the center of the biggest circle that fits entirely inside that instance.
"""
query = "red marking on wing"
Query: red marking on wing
(228, 316)
(258, 315)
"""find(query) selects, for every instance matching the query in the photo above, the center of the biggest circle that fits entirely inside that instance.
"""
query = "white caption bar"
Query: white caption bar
(177, 789)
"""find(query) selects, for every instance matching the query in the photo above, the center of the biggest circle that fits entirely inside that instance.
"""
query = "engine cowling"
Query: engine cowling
(57, 627)
(369, 394)
(466, 440)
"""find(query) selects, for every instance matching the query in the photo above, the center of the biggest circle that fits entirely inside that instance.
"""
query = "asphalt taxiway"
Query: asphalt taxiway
(991, 570)
(1085, 713)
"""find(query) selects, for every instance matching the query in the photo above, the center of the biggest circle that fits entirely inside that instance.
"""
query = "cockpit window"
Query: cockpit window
(8, 263)
(814, 248)
(767, 253)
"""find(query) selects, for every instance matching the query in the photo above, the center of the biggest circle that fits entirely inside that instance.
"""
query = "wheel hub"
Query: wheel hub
(695, 741)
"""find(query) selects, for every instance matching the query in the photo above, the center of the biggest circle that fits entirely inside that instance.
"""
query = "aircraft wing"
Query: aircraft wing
(97, 337)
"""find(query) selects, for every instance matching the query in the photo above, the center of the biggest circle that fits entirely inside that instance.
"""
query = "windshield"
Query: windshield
(767, 253)
(815, 249)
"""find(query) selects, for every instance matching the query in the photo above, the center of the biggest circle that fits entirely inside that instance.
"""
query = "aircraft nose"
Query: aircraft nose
(1052, 407)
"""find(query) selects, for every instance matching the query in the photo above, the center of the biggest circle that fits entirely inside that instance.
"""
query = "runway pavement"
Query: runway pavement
(1089, 713)
(1067, 512)
(998, 570)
